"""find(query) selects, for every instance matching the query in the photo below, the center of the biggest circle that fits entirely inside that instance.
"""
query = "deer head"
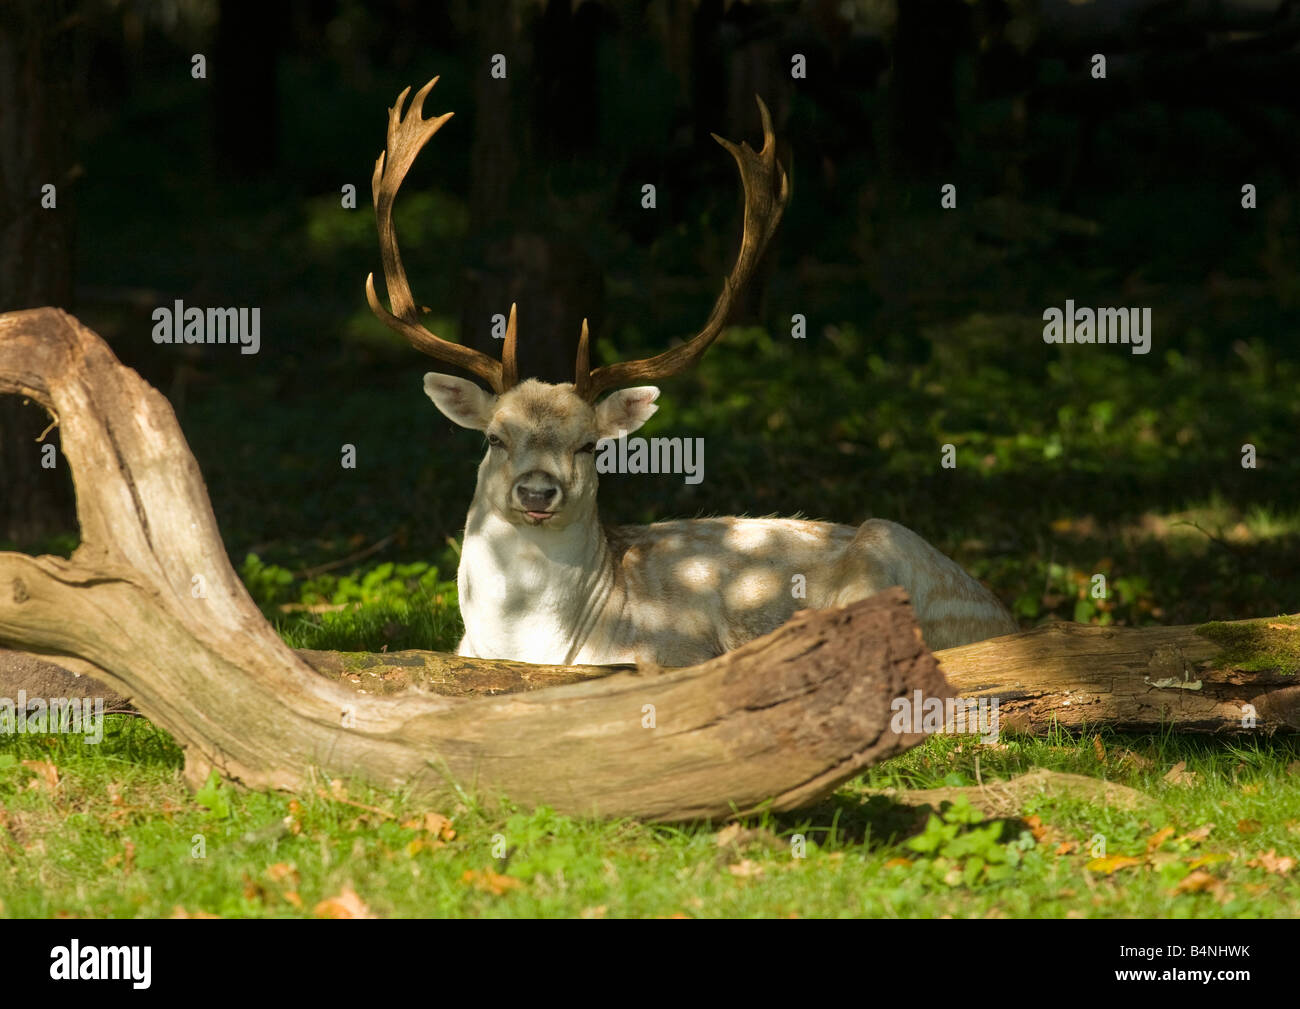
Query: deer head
(539, 469)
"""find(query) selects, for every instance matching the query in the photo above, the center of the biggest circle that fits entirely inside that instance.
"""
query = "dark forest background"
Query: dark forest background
(924, 324)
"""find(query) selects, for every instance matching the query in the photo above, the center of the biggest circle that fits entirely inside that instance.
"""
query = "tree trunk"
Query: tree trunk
(150, 606)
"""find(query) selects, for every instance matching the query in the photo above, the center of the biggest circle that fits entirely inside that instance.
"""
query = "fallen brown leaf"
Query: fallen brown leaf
(1198, 882)
(1248, 826)
(727, 834)
(1196, 836)
(294, 819)
(491, 882)
(346, 905)
(1271, 861)
(1180, 775)
(433, 823)
(281, 871)
(46, 772)
(1159, 838)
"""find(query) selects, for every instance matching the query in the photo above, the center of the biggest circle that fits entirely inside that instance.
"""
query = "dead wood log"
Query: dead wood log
(149, 605)
(1238, 676)
(1212, 678)
(1189, 678)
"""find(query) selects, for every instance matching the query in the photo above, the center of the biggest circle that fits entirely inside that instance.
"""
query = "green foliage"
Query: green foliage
(961, 852)
(391, 605)
(213, 797)
(268, 584)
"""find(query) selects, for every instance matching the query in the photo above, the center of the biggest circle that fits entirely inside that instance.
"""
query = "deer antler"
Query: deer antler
(767, 190)
(406, 136)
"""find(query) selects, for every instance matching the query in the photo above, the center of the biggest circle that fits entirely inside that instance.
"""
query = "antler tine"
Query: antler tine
(767, 191)
(509, 361)
(407, 135)
(582, 369)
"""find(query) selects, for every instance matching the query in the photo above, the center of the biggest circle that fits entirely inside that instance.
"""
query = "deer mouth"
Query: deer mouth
(537, 518)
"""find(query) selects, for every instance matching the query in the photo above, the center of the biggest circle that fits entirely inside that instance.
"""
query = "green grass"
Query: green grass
(118, 835)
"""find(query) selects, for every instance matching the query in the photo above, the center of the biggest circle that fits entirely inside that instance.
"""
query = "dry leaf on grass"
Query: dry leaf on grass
(180, 912)
(746, 868)
(346, 905)
(491, 882)
(1199, 882)
(1271, 861)
(282, 871)
(125, 858)
(1159, 838)
(1195, 836)
(432, 823)
(1180, 775)
(1249, 826)
(294, 819)
(727, 834)
(1112, 863)
(47, 774)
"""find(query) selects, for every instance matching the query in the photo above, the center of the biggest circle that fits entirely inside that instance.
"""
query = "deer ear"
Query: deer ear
(460, 400)
(624, 411)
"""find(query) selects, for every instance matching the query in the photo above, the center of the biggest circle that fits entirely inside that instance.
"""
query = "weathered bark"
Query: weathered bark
(1193, 679)
(150, 606)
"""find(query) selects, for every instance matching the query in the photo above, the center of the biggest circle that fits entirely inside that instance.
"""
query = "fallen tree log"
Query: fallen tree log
(149, 605)
(1230, 677)
(1212, 678)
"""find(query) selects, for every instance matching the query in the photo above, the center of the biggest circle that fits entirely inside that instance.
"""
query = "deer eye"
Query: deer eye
(589, 447)
(494, 440)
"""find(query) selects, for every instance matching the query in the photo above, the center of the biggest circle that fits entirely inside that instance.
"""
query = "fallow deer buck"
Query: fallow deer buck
(541, 580)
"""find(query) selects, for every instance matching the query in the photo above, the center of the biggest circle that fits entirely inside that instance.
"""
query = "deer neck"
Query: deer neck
(533, 593)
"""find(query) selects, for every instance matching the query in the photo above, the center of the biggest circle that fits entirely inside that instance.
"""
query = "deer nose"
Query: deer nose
(536, 493)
